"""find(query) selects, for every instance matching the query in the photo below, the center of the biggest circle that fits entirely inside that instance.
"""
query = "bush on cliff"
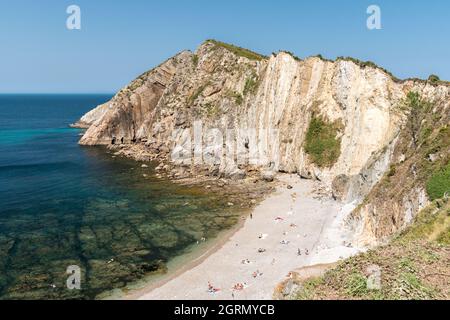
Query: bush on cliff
(322, 143)
(439, 183)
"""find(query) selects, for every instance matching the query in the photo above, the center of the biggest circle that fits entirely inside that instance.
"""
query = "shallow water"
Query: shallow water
(62, 204)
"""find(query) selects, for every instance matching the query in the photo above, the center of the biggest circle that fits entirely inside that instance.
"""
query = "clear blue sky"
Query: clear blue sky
(121, 39)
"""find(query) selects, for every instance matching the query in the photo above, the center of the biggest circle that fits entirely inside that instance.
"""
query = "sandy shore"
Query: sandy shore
(285, 222)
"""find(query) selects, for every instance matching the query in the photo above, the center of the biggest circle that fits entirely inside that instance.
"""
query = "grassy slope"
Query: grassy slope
(242, 52)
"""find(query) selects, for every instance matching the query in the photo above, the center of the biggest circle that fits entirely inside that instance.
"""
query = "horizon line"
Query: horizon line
(54, 93)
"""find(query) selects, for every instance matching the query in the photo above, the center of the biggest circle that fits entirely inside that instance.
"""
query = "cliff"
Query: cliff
(342, 122)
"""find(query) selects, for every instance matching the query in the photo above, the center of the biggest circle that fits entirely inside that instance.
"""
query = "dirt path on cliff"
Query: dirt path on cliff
(292, 228)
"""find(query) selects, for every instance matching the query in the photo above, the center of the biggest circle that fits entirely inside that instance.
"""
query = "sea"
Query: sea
(77, 222)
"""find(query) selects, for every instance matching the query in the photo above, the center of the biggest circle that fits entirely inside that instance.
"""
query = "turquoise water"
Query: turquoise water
(62, 204)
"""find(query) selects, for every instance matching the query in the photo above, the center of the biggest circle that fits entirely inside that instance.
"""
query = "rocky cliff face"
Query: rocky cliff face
(421, 150)
(264, 113)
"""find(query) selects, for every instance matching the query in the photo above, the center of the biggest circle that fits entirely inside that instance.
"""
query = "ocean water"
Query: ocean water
(62, 204)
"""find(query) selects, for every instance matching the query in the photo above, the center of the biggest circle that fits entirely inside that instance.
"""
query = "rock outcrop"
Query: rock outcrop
(228, 110)
(92, 116)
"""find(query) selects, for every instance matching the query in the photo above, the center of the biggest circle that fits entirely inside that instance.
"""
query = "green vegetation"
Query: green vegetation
(135, 84)
(425, 144)
(414, 265)
(322, 143)
(439, 183)
(238, 98)
(434, 78)
(242, 52)
(428, 138)
(196, 94)
(418, 109)
(211, 109)
(195, 60)
(251, 85)
(308, 288)
(432, 224)
(356, 286)
(392, 170)
(322, 58)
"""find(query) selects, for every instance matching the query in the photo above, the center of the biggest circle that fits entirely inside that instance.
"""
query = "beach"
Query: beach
(292, 228)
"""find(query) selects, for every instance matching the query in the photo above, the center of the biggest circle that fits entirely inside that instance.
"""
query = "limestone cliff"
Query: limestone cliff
(265, 108)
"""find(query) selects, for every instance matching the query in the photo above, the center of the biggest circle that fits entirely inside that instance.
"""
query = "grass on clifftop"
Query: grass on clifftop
(414, 266)
(322, 143)
(242, 52)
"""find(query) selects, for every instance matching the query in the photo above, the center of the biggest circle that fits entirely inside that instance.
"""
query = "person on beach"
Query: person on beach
(238, 287)
(257, 273)
(211, 288)
(299, 252)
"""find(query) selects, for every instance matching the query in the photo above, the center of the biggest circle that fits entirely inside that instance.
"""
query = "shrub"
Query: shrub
(356, 285)
(251, 84)
(195, 60)
(439, 183)
(322, 144)
(392, 170)
(418, 107)
(433, 78)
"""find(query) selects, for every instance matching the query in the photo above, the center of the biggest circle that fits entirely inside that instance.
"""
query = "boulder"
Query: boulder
(340, 187)
(268, 176)
(237, 174)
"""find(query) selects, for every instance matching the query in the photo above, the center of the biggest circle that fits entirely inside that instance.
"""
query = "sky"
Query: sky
(119, 40)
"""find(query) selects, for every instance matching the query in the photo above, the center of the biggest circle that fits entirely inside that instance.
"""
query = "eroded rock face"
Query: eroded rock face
(266, 106)
(399, 193)
(92, 116)
(262, 110)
